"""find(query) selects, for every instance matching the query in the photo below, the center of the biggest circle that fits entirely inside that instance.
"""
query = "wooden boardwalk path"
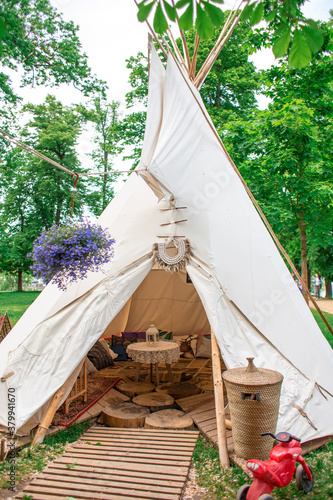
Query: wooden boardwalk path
(118, 464)
(202, 409)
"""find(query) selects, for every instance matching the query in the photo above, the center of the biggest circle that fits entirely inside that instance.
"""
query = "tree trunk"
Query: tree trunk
(19, 280)
(304, 251)
(105, 178)
(328, 289)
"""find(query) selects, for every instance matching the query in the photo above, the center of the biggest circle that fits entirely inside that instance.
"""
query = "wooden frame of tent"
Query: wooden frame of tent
(5, 325)
(189, 66)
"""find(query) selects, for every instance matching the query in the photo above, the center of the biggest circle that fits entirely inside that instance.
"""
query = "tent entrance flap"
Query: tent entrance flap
(167, 300)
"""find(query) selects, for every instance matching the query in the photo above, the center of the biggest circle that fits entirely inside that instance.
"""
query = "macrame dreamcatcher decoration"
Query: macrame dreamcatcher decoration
(175, 263)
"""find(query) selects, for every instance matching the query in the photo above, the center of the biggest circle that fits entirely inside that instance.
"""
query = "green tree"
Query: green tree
(19, 226)
(284, 154)
(229, 89)
(35, 194)
(105, 118)
(53, 130)
(35, 40)
(134, 123)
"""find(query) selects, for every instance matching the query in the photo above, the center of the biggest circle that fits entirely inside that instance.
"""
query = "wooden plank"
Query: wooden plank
(45, 493)
(85, 490)
(145, 475)
(94, 480)
(141, 451)
(144, 439)
(121, 465)
(176, 439)
(95, 410)
(194, 402)
(129, 458)
(77, 475)
(210, 426)
(203, 409)
(118, 430)
(162, 445)
(204, 416)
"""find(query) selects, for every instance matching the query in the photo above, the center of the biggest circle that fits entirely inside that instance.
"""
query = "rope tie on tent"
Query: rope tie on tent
(175, 263)
(302, 412)
(71, 203)
(32, 151)
(322, 390)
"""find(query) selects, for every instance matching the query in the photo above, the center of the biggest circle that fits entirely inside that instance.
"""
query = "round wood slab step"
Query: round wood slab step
(132, 389)
(179, 390)
(125, 415)
(155, 401)
(169, 419)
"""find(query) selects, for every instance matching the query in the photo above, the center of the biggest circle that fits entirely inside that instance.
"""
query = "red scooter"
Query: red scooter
(278, 471)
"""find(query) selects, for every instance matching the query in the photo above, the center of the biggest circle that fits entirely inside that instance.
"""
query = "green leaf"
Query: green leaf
(160, 22)
(300, 53)
(314, 37)
(281, 28)
(204, 25)
(271, 15)
(144, 10)
(186, 19)
(181, 3)
(215, 14)
(281, 45)
(3, 29)
(170, 10)
(257, 14)
(217, 1)
(312, 23)
(247, 12)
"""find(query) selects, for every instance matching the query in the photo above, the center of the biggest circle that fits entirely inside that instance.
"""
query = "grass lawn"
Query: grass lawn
(322, 325)
(15, 303)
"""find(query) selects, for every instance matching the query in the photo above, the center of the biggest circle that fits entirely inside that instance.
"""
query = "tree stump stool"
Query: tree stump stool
(155, 401)
(125, 415)
(132, 389)
(179, 390)
(169, 419)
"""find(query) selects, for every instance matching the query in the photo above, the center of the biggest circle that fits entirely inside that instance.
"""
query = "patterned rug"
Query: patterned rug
(97, 388)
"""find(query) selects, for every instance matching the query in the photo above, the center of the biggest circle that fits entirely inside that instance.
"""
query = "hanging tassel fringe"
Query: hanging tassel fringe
(172, 264)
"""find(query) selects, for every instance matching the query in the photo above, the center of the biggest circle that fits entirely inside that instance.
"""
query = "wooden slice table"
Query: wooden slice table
(161, 352)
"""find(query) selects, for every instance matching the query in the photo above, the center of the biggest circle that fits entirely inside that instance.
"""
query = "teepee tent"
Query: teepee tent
(185, 188)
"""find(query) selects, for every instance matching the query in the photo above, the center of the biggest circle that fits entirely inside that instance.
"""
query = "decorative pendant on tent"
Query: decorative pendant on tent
(176, 262)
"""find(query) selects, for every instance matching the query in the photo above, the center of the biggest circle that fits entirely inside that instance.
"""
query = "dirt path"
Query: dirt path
(325, 305)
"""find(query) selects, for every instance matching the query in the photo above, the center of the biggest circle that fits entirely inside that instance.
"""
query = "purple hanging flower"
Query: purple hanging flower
(65, 254)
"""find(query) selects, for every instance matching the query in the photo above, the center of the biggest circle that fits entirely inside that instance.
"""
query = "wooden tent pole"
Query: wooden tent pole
(260, 212)
(47, 419)
(219, 404)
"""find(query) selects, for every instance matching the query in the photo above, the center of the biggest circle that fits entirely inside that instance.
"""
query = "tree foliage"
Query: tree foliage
(105, 118)
(290, 31)
(284, 153)
(230, 86)
(35, 40)
(34, 194)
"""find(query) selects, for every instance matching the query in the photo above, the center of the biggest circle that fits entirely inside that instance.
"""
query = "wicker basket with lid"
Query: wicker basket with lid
(254, 398)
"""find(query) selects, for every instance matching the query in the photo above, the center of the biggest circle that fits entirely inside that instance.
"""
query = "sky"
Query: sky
(110, 33)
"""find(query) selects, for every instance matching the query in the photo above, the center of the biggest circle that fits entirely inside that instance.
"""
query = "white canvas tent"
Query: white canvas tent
(251, 302)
